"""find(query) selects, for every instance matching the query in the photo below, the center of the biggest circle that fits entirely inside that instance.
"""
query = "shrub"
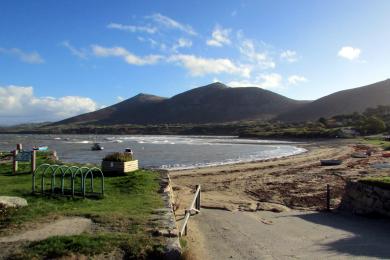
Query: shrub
(118, 157)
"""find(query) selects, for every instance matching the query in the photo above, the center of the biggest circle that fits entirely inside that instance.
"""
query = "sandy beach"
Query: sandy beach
(295, 183)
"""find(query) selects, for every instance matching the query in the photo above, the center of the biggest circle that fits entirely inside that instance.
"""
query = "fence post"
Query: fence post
(19, 147)
(199, 198)
(33, 160)
(185, 229)
(14, 163)
(327, 197)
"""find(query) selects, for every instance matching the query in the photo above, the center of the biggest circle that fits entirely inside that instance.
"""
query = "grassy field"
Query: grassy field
(121, 216)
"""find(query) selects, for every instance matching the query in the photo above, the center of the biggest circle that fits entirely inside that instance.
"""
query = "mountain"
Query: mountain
(342, 102)
(213, 103)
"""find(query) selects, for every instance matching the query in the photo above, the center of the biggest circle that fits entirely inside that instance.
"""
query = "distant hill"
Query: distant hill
(213, 103)
(342, 102)
(218, 103)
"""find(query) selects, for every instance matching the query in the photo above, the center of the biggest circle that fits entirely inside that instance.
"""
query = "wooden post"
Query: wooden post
(33, 160)
(15, 163)
(199, 199)
(327, 197)
(19, 147)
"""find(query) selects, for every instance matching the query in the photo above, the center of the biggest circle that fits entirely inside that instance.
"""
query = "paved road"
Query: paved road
(292, 235)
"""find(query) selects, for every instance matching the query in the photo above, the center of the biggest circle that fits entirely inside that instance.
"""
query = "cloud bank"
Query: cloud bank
(18, 104)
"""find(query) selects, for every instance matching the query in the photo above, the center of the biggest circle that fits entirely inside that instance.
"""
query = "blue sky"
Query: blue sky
(61, 58)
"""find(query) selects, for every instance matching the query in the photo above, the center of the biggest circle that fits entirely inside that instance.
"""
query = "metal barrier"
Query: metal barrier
(194, 206)
(74, 172)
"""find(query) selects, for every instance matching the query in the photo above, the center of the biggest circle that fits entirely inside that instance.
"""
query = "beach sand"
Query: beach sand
(296, 182)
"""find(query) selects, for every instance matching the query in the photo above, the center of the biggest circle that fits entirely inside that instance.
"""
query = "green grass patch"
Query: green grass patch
(125, 209)
(377, 142)
(381, 182)
(132, 246)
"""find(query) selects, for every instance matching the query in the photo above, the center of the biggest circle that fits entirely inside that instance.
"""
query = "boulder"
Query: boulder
(12, 202)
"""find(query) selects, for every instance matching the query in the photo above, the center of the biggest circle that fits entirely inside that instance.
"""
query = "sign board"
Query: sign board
(23, 156)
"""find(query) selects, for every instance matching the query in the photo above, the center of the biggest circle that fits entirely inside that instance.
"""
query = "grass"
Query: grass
(122, 214)
(377, 142)
(133, 246)
(381, 182)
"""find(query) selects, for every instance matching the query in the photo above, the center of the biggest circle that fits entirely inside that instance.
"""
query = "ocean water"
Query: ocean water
(165, 152)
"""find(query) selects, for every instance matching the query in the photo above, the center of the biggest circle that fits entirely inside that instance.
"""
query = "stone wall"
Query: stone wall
(164, 219)
(364, 199)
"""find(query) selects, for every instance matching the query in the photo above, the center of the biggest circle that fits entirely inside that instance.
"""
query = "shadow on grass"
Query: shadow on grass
(370, 238)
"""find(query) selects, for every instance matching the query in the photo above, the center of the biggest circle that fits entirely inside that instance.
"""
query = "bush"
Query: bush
(118, 157)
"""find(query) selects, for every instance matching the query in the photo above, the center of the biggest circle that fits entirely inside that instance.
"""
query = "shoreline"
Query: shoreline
(296, 181)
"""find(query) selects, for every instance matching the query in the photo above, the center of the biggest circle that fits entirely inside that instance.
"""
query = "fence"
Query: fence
(46, 170)
(194, 206)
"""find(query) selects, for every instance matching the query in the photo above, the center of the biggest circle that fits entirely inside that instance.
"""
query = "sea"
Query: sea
(157, 151)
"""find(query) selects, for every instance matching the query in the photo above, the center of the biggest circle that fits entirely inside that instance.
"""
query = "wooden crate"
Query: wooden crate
(119, 167)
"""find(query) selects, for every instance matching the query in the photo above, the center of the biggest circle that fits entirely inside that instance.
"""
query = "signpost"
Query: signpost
(23, 156)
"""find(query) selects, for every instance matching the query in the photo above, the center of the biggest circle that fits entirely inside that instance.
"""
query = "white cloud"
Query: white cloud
(18, 105)
(199, 66)
(172, 24)
(289, 55)
(182, 43)
(272, 80)
(127, 56)
(31, 57)
(296, 79)
(349, 53)
(120, 98)
(219, 37)
(132, 28)
(261, 59)
(81, 53)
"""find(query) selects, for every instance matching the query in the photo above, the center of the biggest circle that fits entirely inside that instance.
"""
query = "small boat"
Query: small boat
(40, 148)
(359, 155)
(97, 147)
(118, 141)
(386, 155)
(330, 162)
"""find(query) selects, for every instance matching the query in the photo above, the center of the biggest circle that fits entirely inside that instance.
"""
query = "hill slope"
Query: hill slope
(342, 102)
(212, 103)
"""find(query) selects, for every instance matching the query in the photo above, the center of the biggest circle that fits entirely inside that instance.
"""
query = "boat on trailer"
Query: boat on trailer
(40, 148)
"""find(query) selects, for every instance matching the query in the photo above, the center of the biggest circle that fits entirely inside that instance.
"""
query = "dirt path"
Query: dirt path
(291, 235)
(64, 227)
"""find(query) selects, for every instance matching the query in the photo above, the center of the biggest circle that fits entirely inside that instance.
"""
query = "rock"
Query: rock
(12, 202)
(173, 250)
(267, 206)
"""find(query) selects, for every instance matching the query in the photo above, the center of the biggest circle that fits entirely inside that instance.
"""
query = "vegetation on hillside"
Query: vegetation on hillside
(372, 121)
